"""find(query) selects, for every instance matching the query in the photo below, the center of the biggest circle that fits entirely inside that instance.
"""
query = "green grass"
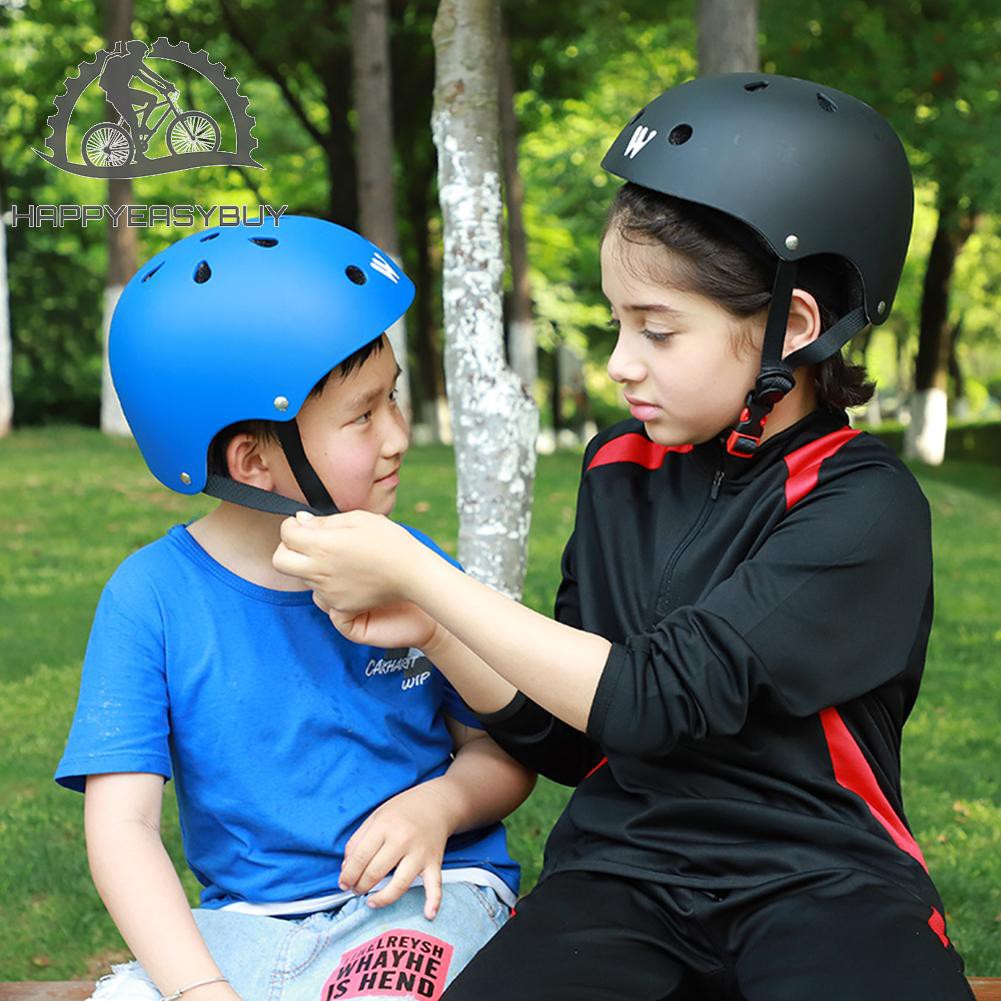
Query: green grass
(73, 504)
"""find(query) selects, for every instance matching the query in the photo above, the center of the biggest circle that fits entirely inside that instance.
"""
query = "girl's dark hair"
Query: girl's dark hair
(264, 431)
(723, 259)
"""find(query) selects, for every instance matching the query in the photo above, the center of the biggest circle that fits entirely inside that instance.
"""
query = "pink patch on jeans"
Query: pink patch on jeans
(397, 963)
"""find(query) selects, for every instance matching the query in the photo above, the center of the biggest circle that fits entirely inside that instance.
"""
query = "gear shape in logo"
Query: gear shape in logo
(181, 53)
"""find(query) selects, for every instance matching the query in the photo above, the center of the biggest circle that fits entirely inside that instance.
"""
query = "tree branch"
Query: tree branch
(248, 180)
(272, 71)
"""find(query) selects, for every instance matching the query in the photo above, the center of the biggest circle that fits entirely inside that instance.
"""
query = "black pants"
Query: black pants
(841, 935)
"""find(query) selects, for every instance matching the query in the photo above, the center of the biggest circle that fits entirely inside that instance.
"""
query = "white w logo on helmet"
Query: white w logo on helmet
(380, 264)
(640, 137)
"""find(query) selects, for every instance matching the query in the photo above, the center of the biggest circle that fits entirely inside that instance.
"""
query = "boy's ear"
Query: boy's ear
(247, 462)
(804, 322)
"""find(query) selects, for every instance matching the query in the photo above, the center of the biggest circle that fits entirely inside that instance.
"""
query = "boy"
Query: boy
(314, 776)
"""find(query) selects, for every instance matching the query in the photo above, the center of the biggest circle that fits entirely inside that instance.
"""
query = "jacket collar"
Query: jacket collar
(713, 455)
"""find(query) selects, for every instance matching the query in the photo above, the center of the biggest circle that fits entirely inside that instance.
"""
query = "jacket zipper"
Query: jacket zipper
(717, 483)
(663, 592)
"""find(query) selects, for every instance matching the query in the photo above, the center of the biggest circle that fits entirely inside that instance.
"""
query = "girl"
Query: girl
(746, 598)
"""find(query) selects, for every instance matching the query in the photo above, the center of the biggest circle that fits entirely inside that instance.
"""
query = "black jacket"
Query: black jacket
(769, 620)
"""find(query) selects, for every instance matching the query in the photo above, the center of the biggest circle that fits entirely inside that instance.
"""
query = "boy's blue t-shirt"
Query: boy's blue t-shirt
(281, 735)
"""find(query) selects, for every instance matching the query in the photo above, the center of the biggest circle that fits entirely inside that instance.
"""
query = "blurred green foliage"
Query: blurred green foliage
(580, 73)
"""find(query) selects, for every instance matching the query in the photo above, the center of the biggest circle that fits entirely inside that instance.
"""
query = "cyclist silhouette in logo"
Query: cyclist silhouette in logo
(117, 144)
(119, 70)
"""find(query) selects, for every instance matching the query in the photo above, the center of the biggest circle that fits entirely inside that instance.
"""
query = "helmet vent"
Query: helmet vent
(149, 274)
(264, 241)
(211, 236)
(355, 274)
(826, 103)
(755, 85)
(679, 135)
(203, 272)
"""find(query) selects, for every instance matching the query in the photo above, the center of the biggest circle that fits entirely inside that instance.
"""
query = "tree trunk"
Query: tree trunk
(331, 67)
(6, 393)
(924, 438)
(376, 192)
(122, 255)
(728, 36)
(960, 404)
(522, 347)
(429, 380)
(494, 421)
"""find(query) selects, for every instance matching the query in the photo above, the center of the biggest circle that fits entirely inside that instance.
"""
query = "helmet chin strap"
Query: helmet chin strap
(309, 483)
(775, 375)
(318, 501)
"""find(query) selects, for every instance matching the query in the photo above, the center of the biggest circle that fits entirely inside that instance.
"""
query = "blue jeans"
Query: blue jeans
(390, 954)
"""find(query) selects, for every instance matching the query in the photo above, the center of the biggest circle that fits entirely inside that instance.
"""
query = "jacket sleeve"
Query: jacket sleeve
(833, 604)
(531, 734)
(534, 737)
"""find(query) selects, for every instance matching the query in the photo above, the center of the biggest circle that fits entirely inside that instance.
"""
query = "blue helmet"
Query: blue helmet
(239, 323)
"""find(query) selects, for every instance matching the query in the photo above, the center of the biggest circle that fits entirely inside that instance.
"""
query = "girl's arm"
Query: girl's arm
(557, 666)
(137, 882)
(835, 603)
(528, 733)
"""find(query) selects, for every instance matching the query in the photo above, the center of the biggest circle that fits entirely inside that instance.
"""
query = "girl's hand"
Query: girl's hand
(401, 624)
(354, 561)
(408, 833)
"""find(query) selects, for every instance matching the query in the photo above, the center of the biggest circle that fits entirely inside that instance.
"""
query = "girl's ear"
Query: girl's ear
(804, 324)
(247, 460)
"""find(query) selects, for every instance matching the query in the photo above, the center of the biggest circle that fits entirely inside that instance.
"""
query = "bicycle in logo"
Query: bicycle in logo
(110, 144)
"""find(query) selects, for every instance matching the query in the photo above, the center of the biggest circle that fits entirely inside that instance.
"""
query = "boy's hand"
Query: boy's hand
(408, 833)
(354, 561)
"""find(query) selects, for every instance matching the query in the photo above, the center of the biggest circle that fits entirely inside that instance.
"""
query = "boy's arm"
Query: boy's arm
(408, 833)
(136, 880)
(483, 783)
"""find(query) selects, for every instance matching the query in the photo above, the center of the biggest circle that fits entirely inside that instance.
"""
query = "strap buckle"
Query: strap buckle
(770, 386)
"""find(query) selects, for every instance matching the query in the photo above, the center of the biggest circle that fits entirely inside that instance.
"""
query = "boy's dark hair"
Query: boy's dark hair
(723, 259)
(264, 431)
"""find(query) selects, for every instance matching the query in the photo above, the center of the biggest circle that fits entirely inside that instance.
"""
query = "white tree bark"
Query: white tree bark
(6, 392)
(523, 350)
(728, 36)
(522, 343)
(113, 420)
(494, 420)
(122, 244)
(924, 437)
(374, 138)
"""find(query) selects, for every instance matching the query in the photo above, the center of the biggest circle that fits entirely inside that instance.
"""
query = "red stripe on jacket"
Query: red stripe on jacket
(937, 924)
(634, 448)
(804, 464)
(852, 771)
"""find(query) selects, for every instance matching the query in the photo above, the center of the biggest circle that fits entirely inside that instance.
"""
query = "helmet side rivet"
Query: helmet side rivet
(185, 479)
(281, 403)
(792, 241)
(881, 307)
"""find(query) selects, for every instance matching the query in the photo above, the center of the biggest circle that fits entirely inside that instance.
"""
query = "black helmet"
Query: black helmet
(811, 169)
